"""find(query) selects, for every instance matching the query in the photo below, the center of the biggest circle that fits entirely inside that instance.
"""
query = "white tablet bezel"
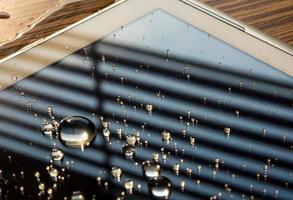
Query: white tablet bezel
(57, 46)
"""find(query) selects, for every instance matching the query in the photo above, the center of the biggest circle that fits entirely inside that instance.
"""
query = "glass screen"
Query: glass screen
(155, 110)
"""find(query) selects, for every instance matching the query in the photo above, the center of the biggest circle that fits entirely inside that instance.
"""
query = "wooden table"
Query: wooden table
(25, 21)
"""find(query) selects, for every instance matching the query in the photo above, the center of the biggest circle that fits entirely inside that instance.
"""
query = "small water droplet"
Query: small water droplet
(106, 133)
(129, 151)
(57, 154)
(53, 172)
(103, 58)
(182, 185)
(264, 132)
(166, 136)
(227, 131)
(149, 108)
(41, 186)
(192, 141)
(77, 195)
(21, 189)
(240, 85)
(130, 140)
(128, 185)
(50, 110)
(122, 80)
(151, 169)
(76, 131)
(160, 187)
(119, 132)
(50, 128)
(237, 113)
(176, 168)
(156, 157)
(14, 78)
(116, 172)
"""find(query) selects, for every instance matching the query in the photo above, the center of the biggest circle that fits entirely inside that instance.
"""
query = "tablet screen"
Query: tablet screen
(155, 110)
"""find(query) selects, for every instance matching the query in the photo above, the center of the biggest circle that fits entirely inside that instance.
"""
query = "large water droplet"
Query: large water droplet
(160, 187)
(151, 169)
(76, 131)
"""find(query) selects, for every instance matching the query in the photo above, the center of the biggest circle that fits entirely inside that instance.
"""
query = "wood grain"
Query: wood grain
(274, 17)
(30, 20)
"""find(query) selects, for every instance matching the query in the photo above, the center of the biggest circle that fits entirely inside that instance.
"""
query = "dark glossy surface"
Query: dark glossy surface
(197, 86)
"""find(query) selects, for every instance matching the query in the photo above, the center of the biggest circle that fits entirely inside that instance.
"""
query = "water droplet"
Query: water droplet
(128, 184)
(264, 132)
(53, 172)
(57, 154)
(166, 136)
(41, 186)
(77, 195)
(3, 187)
(106, 133)
(197, 181)
(50, 110)
(129, 151)
(37, 175)
(156, 157)
(205, 100)
(199, 168)
(182, 185)
(192, 141)
(189, 171)
(119, 132)
(76, 131)
(114, 67)
(217, 163)
(176, 168)
(105, 124)
(130, 140)
(99, 179)
(50, 128)
(103, 58)
(240, 85)
(227, 131)
(151, 169)
(21, 188)
(237, 113)
(14, 78)
(122, 80)
(116, 172)
(160, 187)
(149, 108)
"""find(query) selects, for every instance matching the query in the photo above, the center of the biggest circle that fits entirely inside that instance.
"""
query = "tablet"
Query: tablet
(148, 99)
